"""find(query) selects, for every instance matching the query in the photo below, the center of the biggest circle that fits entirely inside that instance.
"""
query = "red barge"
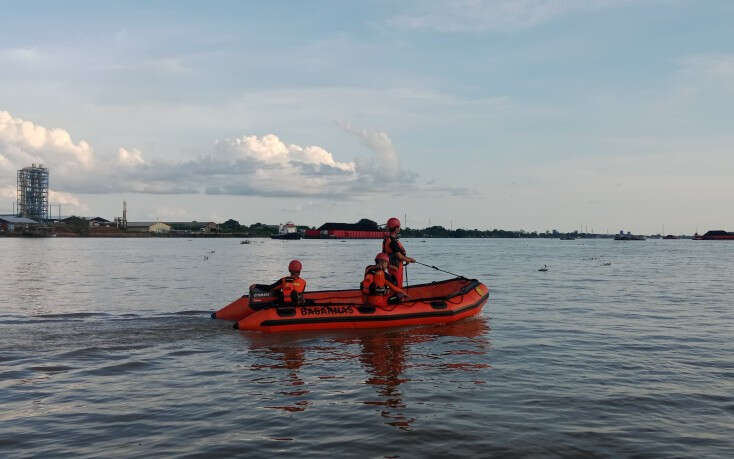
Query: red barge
(363, 229)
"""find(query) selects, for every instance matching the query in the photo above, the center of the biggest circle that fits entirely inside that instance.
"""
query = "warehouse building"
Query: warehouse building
(148, 227)
(10, 223)
(193, 227)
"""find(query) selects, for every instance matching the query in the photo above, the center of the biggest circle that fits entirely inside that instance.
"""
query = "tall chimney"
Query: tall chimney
(124, 214)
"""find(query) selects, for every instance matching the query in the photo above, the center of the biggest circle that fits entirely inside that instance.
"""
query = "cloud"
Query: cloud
(269, 149)
(483, 15)
(387, 166)
(70, 204)
(21, 55)
(8, 192)
(24, 141)
(715, 64)
(250, 165)
(168, 66)
(708, 69)
(133, 157)
(59, 197)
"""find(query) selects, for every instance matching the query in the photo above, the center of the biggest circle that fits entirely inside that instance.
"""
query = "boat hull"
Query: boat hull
(287, 236)
(437, 303)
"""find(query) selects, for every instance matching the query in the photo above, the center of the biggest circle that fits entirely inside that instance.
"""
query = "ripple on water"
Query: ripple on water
(120, 368)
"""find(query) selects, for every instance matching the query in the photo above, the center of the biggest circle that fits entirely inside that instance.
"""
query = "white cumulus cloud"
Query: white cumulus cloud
(248, 165)
(132, 157)
(23, 140)
(386, 164)
(269, 149)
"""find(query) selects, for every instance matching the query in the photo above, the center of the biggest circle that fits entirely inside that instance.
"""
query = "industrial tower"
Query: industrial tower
(33, 192)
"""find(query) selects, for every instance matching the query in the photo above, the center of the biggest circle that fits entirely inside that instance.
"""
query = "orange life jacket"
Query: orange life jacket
(374, 283)
(292, 289)
(387, 248)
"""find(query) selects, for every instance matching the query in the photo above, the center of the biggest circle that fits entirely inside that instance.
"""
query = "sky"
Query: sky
(511, 114)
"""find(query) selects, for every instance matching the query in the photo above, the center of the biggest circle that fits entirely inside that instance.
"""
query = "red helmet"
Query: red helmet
(393, 223)
(382, 256)
(295, 266)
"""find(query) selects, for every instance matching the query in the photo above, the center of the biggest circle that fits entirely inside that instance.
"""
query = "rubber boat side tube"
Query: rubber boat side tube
(236, 310)
(438, 302)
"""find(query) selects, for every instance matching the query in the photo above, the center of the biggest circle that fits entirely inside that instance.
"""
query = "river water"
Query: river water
(107, 349)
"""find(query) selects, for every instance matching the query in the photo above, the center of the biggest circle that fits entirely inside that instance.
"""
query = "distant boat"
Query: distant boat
(622, 236)
(244, 242)
(568, 237)
(670, 236)
(288, 231)
(544, 268)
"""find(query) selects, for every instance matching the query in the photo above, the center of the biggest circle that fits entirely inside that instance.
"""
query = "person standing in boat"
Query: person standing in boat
(289, 289)
(378, 287)
(392, 247)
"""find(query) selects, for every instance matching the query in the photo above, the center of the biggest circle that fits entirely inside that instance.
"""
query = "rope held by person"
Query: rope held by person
(439, 269)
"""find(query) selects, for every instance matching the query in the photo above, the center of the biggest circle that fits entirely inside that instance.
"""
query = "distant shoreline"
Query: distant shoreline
(122, 235)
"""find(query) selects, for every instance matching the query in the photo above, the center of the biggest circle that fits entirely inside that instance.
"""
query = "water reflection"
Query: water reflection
(289, 359)
(385, 357)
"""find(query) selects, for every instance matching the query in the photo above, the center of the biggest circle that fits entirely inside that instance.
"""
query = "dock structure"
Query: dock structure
(33, 192)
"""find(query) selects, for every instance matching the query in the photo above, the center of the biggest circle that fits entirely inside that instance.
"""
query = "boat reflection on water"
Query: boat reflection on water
(383, 359)
(388, 359)
(383, 356)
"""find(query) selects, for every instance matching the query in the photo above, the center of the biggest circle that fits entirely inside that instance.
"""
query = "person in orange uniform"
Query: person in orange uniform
(378, 285)
(392, 247)
(289, 290)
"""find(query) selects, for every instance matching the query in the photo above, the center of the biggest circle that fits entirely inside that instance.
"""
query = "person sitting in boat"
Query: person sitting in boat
(288, 290)
(392, 247)
(378, 287)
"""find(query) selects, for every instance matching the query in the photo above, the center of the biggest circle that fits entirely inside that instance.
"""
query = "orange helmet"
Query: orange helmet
(393, 223)
(382, 256)
(295, 266)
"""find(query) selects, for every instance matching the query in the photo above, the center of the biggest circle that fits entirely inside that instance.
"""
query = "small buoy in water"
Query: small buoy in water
(544, 268)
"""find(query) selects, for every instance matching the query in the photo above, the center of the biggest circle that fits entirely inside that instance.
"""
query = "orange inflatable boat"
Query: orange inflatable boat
(435, 303)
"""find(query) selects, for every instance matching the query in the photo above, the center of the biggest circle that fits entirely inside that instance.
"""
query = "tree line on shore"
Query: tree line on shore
(80, 225)
(259, 229)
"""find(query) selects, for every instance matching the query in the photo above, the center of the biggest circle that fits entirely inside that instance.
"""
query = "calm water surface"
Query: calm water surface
(107, 349)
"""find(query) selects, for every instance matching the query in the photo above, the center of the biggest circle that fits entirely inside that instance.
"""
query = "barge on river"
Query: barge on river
(363, 229)
(716, 235)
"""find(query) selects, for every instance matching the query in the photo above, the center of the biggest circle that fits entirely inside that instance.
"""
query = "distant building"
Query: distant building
(193, 227)
(288, 228)
(32, 192)
(99, 221)
(10, 223)
(148, 227)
